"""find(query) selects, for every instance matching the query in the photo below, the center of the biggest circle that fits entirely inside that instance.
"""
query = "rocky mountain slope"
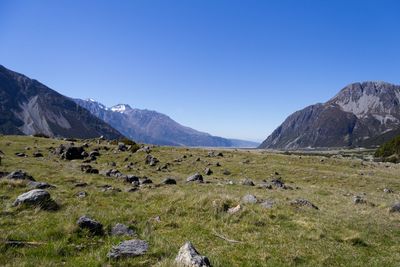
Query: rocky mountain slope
(155, 128)
(361, 114)
(29, 107)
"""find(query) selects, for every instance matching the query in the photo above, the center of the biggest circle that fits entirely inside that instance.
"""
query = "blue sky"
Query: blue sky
(231, 68)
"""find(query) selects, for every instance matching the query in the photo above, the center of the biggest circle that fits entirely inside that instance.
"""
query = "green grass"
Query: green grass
(340, 233)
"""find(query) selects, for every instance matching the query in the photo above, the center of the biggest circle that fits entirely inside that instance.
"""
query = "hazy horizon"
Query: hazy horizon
(224, 67)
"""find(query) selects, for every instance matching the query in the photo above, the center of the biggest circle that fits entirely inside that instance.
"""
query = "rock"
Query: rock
(189, 257)
(226, 172)
(132, 189)
(94, 227)
(388, 190)
(303, 202)
(37, 154)
(128, 249)
(208, 171)
(94, 153)
(146, 181)
(131, 178)
(39, 185)
(249, 199)
(195, 178)
(218, 164)
(19, 175)
(70, 152)
(122, 147)
(395, 208)
(89, 169)
(247, 182)
(35, 197)
(268, 204)
(359, 200)
(150, 160)
(82, 184)
(265, 185)
(145, 149)
(81, 194)
(21, 155)
(234, 209)
(278, 183)
(122, 230)
(113, 173)
(169, 181)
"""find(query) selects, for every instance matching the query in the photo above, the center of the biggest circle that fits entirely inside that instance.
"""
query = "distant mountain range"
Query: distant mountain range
(155, 128)
(361, 114)
(29, 107)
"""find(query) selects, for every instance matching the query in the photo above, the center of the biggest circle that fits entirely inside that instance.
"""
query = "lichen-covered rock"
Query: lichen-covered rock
(19, 175)
(128, 249)
(35, 197)
(303, 203)
(189, 257)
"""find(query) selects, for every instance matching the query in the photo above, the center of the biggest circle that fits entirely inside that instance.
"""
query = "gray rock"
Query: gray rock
(359, 200)
(189, 257)
(169, 181)
(249, 199)
(195, 178)
(150, 160)
(35, 197)
(122, 147)
(37, 154)
(247, 182)
(208, 171)
(146, 181)
(388, 190)
(128, 249)
(268, 204)
(121, 230)
(395, 208)
(303, 202)
(81, 194)
(131, 178)
(39, 185)
(19, 175)
(93, 226)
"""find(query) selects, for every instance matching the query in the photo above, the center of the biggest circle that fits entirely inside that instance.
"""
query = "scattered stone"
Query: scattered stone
(131, 179)
(122, 230)
(249, 199)
(122, 147)
(36, 197)
(395, 208)
(146, 180)
(150, 160)
(21, 155)
(81, 194)
(39, 185)
(278, 183)
(208, 171)
(93, 226)
(218, 164)
(195, 178)
(132, 189)
(113, 173)
(128, 249)
(169, 181)
(94, 153)
(19, 175)
(226, 172)
(145, 149)
(234, 209)
(37, 154)
(70, 152)
(247, 182)
(388, 190)
(265, 185)
(89, 169)
(303, 202)
(268, 204)
(359, 200)
(189, 257)
(82, 184)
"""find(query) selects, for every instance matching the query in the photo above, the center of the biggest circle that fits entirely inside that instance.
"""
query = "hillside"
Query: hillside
(29, 107)
(302, 210)
(361, 114)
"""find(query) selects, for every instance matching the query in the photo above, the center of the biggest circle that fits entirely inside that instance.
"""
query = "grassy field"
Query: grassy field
(339, 233)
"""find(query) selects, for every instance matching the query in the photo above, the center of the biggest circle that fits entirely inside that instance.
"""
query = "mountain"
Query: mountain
(28, 107)
(155, 128)
(361, 114)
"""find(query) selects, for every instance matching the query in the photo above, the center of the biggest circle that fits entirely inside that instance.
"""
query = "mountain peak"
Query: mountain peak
(121, 108)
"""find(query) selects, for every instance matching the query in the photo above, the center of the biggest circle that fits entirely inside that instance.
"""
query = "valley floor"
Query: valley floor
(338, 233)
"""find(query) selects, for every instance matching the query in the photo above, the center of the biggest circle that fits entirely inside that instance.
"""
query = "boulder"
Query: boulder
(19, 175)
(128, 249)
(131, 178)
(37, 154)
(121, 230)
(208, 171)
(169, 181)
(36, 197)
(70, 152)
(195, 178)
(189, 257)
(93, 226)
(249, 199)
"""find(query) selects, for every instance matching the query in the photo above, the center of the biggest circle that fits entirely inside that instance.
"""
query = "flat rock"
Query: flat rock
(121, 230)
(189, 257)
(19, 175)
(93, 226)
(128, 249)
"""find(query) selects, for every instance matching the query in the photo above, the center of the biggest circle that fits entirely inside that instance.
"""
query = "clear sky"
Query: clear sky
(231, 68)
